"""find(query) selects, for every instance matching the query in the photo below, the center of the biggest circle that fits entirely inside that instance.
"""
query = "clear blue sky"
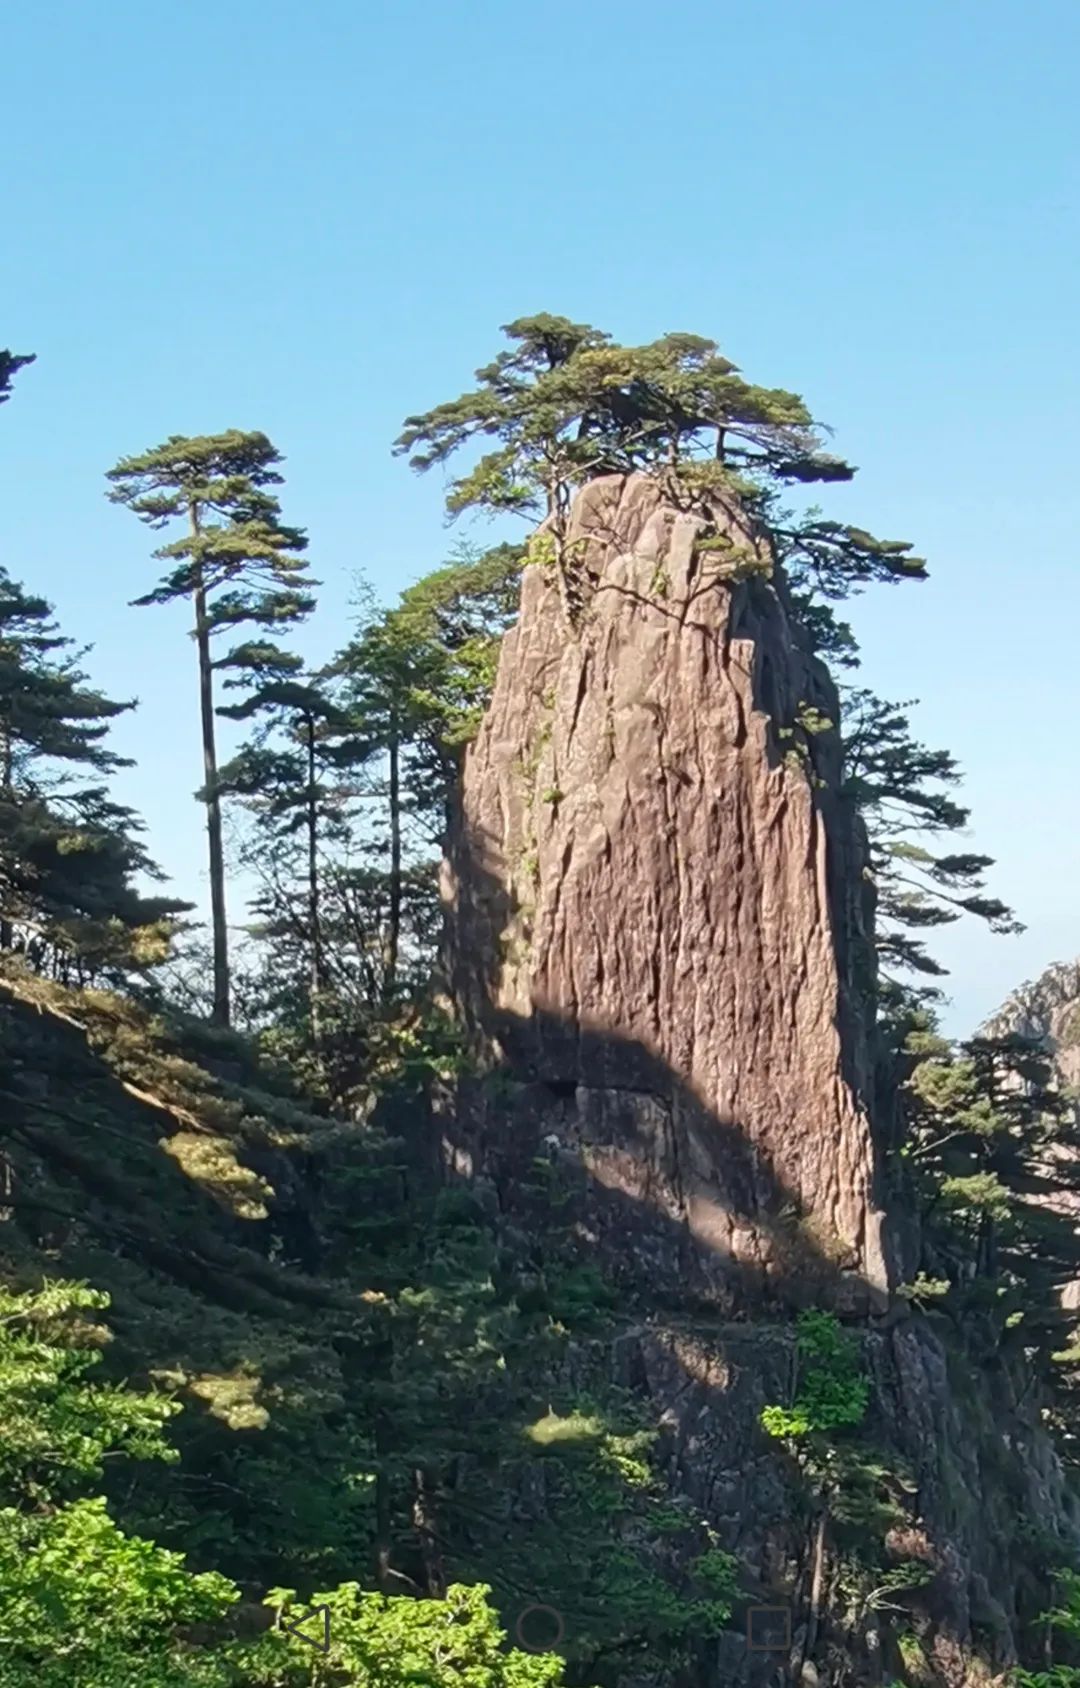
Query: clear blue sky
(311, 219)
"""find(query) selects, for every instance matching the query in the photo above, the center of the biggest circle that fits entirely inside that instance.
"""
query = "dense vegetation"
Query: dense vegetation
(252, 1356)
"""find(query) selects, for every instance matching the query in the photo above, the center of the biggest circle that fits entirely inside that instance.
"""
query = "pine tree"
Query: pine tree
(416, 681)
(994, 1151)
(567, 403)
(387, 675)
(288, 775)
(10, 364)
(237, 563)
(419, 676)
(68, 853)
(902, 790)
(347, 779)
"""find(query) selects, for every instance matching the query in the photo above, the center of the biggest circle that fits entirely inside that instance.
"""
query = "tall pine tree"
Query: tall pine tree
(287, 774)
(416, 679)
(238, 564)
(902, 789)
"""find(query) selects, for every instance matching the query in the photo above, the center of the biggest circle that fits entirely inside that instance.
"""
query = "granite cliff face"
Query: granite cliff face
(671, 902)
(1047, 1009)
(658, 944)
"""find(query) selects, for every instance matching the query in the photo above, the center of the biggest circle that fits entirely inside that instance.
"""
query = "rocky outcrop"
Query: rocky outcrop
(1047, 1010)
(658, 945)
(659, 913)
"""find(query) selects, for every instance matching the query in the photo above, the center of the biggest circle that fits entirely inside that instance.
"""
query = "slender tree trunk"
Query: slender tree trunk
(7, 771)
(220, 1014)
(393, 928)
(384, 1575)
(318, 977)
(7, 1188)
(558, 502)
(872, 1639)
(817, 1585)
(424, 1523)
(987, 1247)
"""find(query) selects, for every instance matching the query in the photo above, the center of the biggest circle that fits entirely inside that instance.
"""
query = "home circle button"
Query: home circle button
(540, 1629)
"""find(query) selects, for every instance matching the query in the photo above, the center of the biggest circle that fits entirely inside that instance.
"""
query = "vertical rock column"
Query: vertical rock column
(657, 915)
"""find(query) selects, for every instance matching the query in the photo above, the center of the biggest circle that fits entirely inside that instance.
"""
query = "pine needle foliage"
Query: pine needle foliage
(237, 564)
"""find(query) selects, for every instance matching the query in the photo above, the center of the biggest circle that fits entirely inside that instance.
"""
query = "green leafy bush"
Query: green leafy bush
(385, 1641)
(58, 1421)
(84, 1604)
(832, 1391)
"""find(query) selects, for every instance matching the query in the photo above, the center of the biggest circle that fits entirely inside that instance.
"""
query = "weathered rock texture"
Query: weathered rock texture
(658, 899)
(1048, 1010)
(658, 941)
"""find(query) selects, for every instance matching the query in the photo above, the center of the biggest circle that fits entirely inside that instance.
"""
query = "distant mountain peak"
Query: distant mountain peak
(1047, 1009)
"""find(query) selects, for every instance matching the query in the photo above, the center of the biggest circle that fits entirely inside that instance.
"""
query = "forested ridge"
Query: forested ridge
(265, 1348)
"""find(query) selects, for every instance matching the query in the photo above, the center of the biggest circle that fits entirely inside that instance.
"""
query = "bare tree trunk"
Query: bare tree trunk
(817, 1587)
(558, 511)
(424, 1520)
(318, 978)
(393, 928)
(383, 1568)
(220, 1014)
(7, 1188)
(7, 771)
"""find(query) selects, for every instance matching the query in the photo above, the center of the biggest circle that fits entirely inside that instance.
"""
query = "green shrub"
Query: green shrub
(833, 1389)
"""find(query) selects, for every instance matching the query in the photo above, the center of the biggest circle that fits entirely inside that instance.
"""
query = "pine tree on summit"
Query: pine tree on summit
(566, 403)
(238, 564)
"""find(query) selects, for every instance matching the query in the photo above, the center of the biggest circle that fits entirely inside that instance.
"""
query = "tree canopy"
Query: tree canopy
(10, 364)
(239, 565)
(903, 792)
(69, 854)
(566, 403)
